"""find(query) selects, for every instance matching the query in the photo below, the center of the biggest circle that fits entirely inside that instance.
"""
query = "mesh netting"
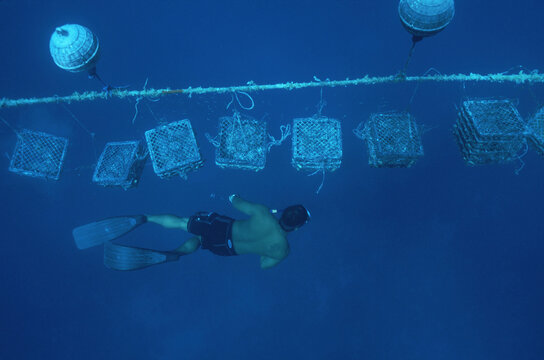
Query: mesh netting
(38, 154)
(489, 131)
(317, 144)
(536, 131)
(120, 165)
(173, 149)
(393, 140)
(242, 143)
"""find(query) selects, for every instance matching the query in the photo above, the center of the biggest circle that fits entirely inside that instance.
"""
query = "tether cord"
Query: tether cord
(520, 78)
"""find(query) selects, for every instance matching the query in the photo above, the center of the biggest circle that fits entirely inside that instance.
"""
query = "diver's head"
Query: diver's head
(294, 217)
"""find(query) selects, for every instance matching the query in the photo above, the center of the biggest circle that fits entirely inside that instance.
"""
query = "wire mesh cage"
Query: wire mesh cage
(489, 131)
(38, 154)
(536, 131)
(173, 149)
(120, 164)
(242, 143)
(317, 144)
(393, 140)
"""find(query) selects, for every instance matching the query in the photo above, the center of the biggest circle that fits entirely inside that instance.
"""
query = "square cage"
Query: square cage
(317, 144)
(38, 154)
(120, 164)
(489, 131)
(393, 140)
(242, 143)
(173, 149)
(536, 131)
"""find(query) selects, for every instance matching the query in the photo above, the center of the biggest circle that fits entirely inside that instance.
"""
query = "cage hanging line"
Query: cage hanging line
(521, 78)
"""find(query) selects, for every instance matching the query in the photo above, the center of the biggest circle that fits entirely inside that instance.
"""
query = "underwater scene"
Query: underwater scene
(300, 179)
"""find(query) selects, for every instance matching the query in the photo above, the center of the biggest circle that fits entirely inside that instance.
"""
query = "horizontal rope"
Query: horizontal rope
(520, 78)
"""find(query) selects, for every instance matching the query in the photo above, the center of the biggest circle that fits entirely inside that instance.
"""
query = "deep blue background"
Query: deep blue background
(440, 261)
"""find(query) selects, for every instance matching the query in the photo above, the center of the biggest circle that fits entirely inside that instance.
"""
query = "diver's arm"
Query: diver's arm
(169, 221)
(245, 206)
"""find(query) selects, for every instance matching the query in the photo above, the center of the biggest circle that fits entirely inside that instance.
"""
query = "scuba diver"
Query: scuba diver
(261, 234)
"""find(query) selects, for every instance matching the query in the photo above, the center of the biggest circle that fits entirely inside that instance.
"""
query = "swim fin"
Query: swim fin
(124, 258)
(99, 232)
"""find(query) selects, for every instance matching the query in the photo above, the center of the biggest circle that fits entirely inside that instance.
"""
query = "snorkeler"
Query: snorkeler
(261, 234)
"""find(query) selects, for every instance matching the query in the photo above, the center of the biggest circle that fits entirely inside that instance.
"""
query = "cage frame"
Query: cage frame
(326, 163)
(22, 146)
(180, 167)
(481, 139)
(222, 158)
(131, 175)
(499, 134)
(535, 131)
(378, 156)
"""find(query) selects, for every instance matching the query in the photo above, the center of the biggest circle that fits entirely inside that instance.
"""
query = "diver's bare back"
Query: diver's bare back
(260, 235)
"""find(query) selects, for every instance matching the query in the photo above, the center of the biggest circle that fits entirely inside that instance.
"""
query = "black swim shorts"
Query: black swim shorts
(215, 232)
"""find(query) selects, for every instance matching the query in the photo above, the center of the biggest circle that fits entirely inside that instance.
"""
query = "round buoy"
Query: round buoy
(425, 17)
(74, 48)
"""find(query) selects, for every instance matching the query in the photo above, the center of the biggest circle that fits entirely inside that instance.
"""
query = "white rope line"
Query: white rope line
(285, 132)
(213, 140)
(520, 158)
(9, 125)
(359, 131)
(520, 78)
(322, 170)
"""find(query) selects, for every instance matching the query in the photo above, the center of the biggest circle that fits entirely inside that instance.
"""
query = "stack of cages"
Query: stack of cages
(242, 143)
(393, 140)
(38, 154)
(120, 164)
(173, 149)
(535, 133)
(489, 131)
(317, 144)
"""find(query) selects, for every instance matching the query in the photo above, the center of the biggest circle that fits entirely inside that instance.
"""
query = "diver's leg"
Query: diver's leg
(189, 246)
(169, 221)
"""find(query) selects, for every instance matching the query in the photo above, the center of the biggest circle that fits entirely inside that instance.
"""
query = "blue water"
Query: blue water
(439, 261)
